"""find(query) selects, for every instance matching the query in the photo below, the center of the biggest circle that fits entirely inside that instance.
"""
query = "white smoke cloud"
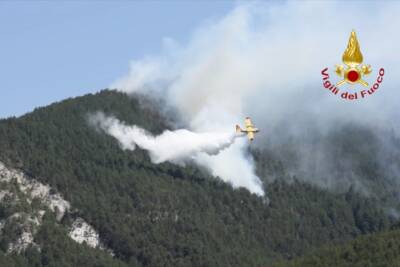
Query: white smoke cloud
(264, 60)
(181, 146)
(175, 146)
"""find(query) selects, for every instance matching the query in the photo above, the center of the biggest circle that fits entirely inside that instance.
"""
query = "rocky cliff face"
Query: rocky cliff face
(25, 201)
(82, 232)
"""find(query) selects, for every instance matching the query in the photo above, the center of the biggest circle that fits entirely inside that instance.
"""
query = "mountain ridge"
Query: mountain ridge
(167, 215)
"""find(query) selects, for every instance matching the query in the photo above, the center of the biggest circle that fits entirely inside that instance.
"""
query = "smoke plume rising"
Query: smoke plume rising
(264, 60)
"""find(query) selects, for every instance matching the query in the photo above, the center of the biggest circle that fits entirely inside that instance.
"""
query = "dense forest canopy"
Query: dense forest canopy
(168, 215)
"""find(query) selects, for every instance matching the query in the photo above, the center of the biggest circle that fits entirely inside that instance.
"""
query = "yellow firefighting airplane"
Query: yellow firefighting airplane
(250, 129)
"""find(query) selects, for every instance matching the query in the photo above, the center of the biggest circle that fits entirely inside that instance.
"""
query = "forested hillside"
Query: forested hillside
(166, 215)
(381, 249)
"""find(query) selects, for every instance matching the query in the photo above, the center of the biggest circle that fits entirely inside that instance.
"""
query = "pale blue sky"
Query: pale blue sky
(51, 50)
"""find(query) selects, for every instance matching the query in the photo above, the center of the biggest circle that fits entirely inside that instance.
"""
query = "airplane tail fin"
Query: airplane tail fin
(238, 129)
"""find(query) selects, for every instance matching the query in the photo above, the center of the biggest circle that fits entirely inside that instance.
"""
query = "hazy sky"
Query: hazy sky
(53, 50)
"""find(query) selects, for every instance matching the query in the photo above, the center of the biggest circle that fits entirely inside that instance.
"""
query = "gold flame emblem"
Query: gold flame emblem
(352, 58)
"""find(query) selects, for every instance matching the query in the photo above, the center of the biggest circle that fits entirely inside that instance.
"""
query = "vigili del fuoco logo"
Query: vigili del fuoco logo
(353, 74)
